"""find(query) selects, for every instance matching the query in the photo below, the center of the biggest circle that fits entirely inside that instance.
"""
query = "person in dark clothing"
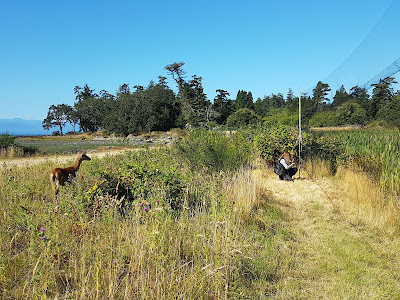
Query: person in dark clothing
(284, 169)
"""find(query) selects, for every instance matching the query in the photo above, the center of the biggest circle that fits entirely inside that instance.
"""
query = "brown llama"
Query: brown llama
(60, 176)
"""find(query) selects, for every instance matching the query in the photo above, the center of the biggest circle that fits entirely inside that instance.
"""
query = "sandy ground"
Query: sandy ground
(62, 158)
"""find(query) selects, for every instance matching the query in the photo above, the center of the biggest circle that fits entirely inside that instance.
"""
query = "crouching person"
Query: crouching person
(284, 169)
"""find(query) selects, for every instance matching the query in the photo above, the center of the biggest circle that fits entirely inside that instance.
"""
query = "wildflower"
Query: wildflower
(114, 261)
(145, 208)
(42, 229)
(158, 201)
(42, 237)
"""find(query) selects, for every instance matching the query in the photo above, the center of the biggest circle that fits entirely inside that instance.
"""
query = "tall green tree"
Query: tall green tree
(193, 102)
(58, 116)
(382, 94)
(223, 106)
(290, 98)
(361, 96)
(266, 106)
(90, 108)
(340, 97)
(176, 71)
(244, 100)
(277, 100)
(319, 95)
(390, 113)
(147, 109)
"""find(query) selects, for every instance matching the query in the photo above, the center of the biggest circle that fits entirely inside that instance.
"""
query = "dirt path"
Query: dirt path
(62, 158)
(333, 254)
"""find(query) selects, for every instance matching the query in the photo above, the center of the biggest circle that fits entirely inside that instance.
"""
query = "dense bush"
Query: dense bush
(391, 113)
(281, 116)
(271, 142)
(6, 140)
(323, 119)
(241, 118)
(131, 182)
(351, 113)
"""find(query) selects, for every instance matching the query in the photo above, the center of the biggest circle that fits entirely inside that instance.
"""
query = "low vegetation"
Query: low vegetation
(9, 148)
(191, 221)
(138, 225)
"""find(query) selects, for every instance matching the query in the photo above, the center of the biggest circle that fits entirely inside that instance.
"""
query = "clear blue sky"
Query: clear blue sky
(48, 47)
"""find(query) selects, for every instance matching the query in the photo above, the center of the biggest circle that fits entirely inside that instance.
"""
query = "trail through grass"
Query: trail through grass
(334, 254)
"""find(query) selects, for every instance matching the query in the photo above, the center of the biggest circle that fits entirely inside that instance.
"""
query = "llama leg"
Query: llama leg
(54, 183)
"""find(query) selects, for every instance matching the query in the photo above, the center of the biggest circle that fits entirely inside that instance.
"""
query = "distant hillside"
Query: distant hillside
(22, 127)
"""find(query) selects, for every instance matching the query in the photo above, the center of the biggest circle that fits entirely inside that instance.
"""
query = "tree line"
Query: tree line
(158, 108)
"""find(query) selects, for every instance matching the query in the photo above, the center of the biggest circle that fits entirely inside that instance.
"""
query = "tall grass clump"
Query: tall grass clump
(376, 152)
(214, 151)
(370, 165)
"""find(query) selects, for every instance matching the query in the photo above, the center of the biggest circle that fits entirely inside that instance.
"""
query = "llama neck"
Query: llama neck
(77, 163)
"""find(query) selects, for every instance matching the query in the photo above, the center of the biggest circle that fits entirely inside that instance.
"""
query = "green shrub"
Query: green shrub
(6, 140)
(281, 116)
(271, 142)
(350, 113)
(241, 118)
(131, 184)
(324, 119)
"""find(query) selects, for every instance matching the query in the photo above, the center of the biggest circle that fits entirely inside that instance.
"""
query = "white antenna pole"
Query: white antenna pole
(300, 139)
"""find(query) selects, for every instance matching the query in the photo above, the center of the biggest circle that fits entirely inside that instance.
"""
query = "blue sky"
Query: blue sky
(48, 47)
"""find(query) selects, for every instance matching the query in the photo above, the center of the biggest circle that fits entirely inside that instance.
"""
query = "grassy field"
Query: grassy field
(204, 219)
(55, 146)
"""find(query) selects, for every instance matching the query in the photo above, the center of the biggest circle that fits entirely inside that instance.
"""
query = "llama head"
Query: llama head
(83, 156)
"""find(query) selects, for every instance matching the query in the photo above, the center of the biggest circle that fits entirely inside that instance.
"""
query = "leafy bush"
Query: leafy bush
(390, 113)
(271, 142)
(350, 113)
(132, 184)
(280, 116)
(241, 118)
(324, 119)
(6, 140)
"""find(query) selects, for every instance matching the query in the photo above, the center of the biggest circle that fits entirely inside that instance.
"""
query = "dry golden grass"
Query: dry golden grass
(11, 152)
(338, 250)
(368, 201)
